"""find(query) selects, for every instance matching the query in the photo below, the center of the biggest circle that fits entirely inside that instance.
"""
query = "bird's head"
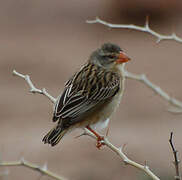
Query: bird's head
(108, 56)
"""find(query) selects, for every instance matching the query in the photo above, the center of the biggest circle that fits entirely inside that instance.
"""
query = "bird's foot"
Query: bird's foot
(100, 142)
(100, 139)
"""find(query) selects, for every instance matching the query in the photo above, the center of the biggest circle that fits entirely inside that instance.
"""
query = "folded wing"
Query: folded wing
(86, 90)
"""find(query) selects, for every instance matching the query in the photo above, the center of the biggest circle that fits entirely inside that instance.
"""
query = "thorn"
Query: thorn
(32, 90)
(124, 145)
(173, 30)
(125, 161)
(174, 35)
(120, 148)
(107, 132)
(145, 165)
(14, 72)
(147, 22)
(158, 40)
(143, 77)
(44, 90)
(27, 77)
(44, 167)
(80, 135)
(22, 160)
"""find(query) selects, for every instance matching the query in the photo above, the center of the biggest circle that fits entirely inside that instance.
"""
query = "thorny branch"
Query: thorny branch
(119, 152)
(142, 78)
(43, 170)
(33, 89)
(146, 28)
(176, 161)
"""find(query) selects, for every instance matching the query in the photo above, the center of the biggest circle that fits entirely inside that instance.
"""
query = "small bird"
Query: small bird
(91, 95)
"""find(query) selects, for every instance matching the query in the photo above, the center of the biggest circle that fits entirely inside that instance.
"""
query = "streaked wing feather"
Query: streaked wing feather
(85, 90)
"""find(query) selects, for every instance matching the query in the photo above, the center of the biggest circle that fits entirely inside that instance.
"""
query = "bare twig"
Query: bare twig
(146, 28)
(24, 163)
(142, 78)
(176, 161)
(126, 160)
(33, 89)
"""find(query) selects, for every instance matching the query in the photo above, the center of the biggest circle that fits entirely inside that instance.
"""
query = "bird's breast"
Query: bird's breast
(104, 112)
(113, 104)
(101, 119)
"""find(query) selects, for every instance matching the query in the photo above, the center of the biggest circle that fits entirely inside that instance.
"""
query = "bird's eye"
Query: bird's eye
(110, 56)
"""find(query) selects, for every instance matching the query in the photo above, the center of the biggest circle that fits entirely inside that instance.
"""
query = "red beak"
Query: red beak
(122, 58)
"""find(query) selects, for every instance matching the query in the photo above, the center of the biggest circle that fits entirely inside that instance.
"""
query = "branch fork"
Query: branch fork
(33, 89)
(146, 28)
(120, 153)
(43, 170)
(176, 104)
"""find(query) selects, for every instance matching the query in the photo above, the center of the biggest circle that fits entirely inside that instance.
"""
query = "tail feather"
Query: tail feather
(54, 136)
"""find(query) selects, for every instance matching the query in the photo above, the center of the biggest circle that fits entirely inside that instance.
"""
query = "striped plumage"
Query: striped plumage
(88, 93)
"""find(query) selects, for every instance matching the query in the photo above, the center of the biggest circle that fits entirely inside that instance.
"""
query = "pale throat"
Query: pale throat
(121, 68)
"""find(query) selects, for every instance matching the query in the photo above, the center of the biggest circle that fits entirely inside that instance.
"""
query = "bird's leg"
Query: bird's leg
(99, 138)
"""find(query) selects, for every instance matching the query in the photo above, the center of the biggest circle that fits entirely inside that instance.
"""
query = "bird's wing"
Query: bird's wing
(88, 88)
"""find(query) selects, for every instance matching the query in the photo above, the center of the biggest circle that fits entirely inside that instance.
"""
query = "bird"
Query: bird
(91, 95)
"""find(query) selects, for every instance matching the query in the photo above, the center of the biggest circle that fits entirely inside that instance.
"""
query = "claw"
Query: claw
(100, 142)
(100, 139)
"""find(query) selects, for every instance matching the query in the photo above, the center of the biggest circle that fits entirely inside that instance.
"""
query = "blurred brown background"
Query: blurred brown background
(49, 40)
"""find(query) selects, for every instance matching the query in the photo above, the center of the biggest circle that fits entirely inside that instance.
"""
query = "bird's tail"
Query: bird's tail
(54, 135)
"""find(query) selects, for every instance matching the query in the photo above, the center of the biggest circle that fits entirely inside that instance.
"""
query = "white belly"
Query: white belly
(100, 124)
